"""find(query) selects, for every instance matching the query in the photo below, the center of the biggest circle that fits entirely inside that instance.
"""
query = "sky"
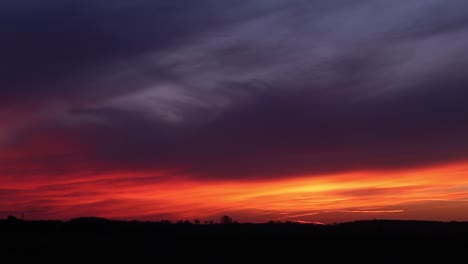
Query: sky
(285, 110)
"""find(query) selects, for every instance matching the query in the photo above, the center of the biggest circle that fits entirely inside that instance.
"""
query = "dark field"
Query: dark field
(376, 241)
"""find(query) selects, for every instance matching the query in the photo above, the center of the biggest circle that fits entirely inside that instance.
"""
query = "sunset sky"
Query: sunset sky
(301, 110)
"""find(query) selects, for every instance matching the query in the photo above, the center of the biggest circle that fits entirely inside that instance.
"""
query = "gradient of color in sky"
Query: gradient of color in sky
(260, 109)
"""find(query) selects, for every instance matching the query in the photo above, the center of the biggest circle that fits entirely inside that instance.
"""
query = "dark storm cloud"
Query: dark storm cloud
(252, 89)
(56, 49)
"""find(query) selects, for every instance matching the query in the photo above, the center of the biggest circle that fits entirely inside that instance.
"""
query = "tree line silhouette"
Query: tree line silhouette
(227, 239)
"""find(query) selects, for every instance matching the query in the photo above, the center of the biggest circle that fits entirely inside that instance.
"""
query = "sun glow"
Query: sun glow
(301, 198)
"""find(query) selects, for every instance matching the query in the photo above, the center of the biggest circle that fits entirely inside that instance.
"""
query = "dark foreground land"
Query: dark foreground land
(376, 241)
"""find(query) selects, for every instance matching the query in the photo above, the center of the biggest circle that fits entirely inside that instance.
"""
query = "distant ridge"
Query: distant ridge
(90, 219)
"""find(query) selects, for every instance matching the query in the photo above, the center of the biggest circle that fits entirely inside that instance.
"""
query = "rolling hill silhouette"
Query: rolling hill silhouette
(389, 240)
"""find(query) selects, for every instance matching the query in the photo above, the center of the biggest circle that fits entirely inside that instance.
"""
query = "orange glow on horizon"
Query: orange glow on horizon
(438, 193)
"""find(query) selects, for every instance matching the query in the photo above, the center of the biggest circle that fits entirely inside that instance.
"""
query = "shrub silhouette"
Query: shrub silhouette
(225, 219)
(12, 218)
